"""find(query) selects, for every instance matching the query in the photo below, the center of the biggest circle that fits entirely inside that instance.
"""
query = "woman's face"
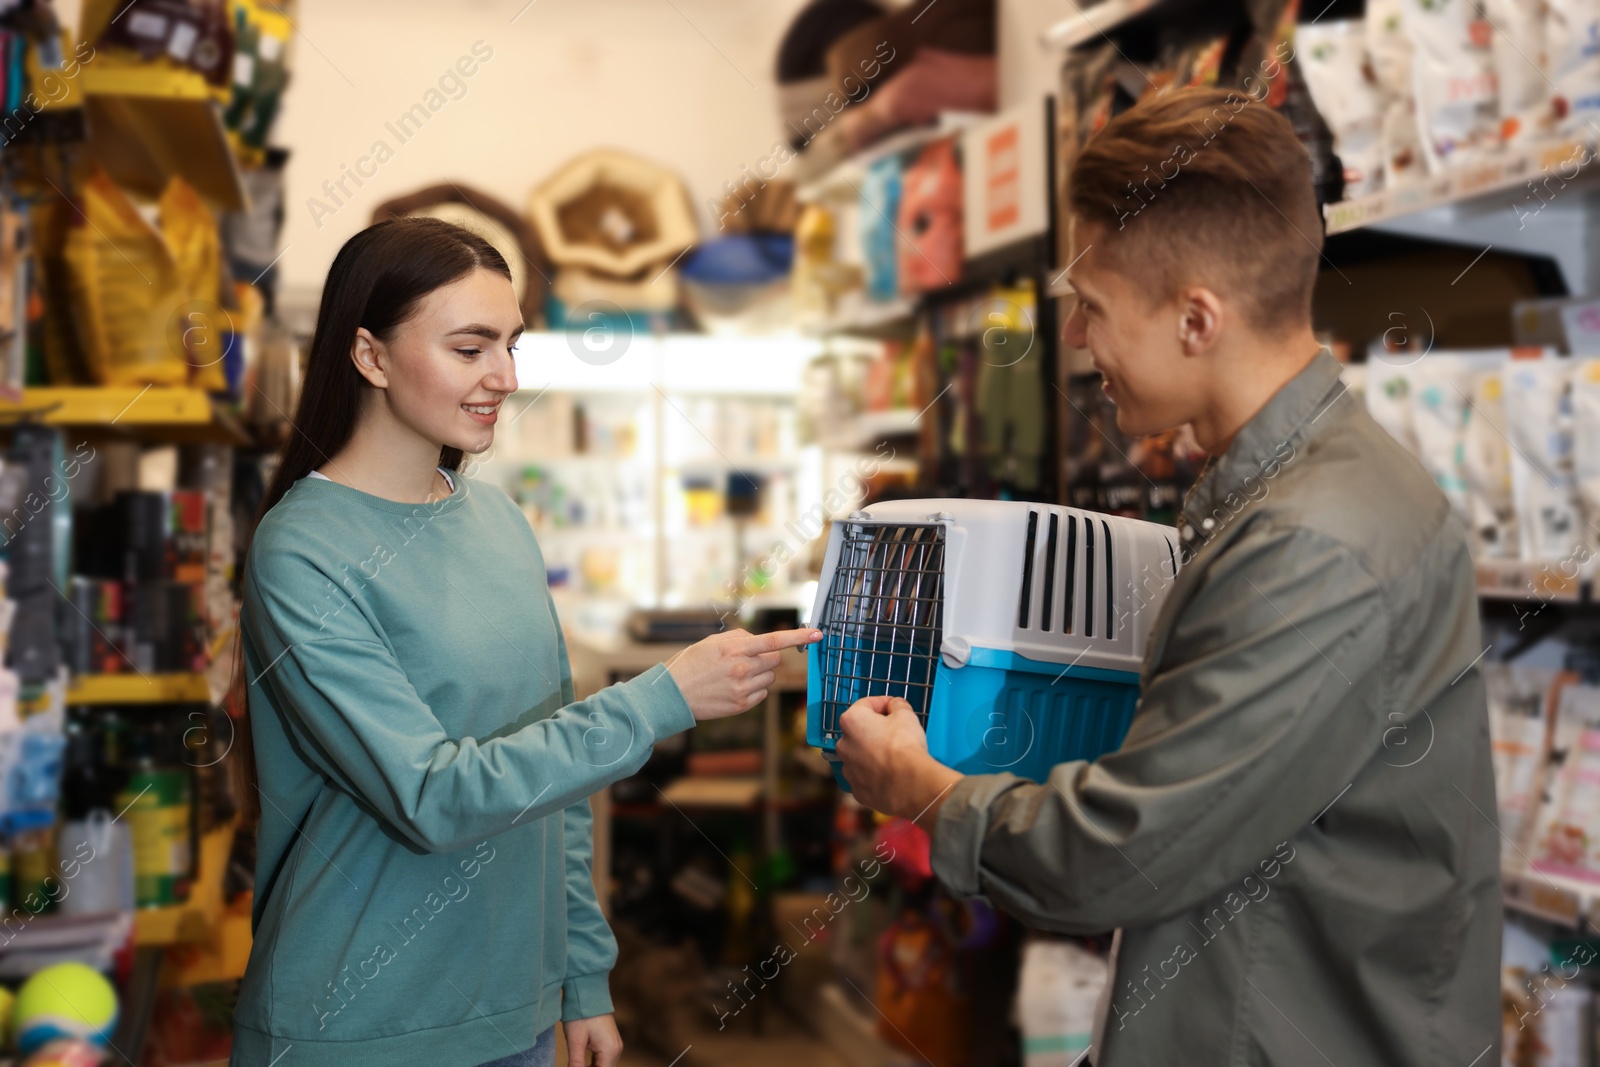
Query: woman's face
(445, 371)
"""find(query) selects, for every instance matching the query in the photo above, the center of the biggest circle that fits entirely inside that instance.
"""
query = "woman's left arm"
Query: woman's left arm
(591, 946)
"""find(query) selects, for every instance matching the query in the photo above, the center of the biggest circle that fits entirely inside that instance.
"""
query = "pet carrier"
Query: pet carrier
(1014, 630)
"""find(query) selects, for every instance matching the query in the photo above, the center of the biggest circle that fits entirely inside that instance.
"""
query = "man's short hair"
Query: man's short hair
(1206, 187)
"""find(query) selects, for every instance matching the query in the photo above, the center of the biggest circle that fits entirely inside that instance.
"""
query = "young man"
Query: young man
(1296, 841)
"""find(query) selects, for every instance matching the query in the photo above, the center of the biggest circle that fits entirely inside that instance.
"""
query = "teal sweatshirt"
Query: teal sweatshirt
(423, 882)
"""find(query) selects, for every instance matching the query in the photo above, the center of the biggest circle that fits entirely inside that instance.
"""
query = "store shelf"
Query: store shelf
(1509, 171)
(844, 178)
(139, 689)
(1092, 22)
(1510, 579)
(150, 121)
(866, 318)
(869, 427)
(1552, 897)
(704, 791)
(199, 920)
(178, 414)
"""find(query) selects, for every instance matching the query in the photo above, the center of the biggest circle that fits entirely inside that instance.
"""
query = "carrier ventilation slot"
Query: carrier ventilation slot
(1111, 630)
(1072, 574)
(1047, 601)
(883, 618)
(1027, 570)
(1088, 577)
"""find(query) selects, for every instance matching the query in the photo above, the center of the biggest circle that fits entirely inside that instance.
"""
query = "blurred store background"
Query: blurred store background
(777, 259)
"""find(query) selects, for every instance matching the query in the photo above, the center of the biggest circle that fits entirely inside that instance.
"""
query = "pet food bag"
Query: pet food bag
(1441, 388)
(1572, 36)
(1586, 443)
(1486, 459)
(1566, 836)
(1519, 735)
(1057, 993)
(1333, 59)
(1538, 399)
(124, 289)
(199, 333)
(1453, 78)
(1388, 394)
(1518, 47)
(1390, 54)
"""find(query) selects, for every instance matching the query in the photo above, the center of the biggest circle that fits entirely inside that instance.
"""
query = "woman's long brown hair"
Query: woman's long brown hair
(376, 281)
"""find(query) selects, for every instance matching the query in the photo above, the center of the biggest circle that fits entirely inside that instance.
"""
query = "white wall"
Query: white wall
(1028, 70)
(685, 83)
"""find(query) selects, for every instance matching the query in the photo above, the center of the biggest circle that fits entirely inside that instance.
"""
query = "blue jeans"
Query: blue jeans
(542, 1054)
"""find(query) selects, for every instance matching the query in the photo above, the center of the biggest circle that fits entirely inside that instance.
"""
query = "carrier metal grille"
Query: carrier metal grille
(883, 617)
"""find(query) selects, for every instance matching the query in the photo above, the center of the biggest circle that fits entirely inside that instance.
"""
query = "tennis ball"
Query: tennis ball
(65, 1000)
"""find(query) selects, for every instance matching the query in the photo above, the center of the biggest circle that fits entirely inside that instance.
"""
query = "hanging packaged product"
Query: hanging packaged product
(1332, 56)
(1520, 56)
(158, 803)
(1572, 40)
(1452, 71)
(1538, 398)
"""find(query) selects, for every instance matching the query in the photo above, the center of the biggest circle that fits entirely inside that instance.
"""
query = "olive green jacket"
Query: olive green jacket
(1297, 838)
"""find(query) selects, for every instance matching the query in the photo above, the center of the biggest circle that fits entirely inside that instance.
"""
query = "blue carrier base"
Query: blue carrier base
(1005, 712)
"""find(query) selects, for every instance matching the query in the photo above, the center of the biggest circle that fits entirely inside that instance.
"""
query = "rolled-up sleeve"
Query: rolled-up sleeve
(1268, 701)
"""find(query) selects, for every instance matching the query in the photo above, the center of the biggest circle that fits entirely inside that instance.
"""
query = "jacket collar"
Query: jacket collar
(1260, 450)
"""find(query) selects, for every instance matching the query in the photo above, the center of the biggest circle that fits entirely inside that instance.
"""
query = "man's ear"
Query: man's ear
(369, 356)
(1200, 316)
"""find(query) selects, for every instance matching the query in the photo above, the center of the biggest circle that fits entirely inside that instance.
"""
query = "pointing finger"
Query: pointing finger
(781, 639)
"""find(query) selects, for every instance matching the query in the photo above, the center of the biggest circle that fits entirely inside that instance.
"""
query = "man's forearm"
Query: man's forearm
(932, 782)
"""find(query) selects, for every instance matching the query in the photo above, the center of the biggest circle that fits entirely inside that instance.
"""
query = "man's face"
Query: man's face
(1132, 335)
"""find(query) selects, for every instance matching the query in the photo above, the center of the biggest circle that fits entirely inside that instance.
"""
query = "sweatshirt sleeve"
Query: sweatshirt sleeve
(1270, 704)
(354, 715)
(591, 946)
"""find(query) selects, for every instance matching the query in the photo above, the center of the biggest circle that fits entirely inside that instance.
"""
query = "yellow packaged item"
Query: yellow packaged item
(123, 287)
(199, 331)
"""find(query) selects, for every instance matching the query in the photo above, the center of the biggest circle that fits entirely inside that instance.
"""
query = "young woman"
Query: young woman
(423, 883)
